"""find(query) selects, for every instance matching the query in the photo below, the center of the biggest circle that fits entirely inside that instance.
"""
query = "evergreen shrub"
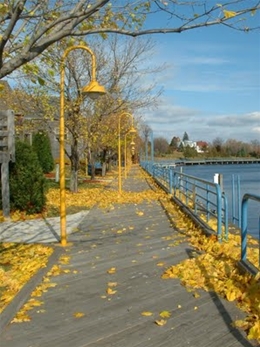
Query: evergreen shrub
(27, 181)
(42, 146)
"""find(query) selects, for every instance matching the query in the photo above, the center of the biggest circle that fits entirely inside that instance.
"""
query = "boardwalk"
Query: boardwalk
(132, 241)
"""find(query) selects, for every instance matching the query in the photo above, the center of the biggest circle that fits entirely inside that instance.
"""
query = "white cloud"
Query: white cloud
(169, 121)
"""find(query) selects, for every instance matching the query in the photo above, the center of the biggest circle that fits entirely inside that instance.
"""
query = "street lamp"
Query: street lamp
(93, 90)
(131, 131)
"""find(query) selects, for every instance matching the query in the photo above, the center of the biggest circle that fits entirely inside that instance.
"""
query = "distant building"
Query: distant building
(199, 146)
(29, 122)
(202, 146)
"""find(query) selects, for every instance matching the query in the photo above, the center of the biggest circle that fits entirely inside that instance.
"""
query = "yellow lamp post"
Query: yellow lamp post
(93, 90)
(131, 131)
(125, 155)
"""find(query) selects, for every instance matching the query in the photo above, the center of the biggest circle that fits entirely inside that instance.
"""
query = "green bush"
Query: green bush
(42, 146)
(27, 181)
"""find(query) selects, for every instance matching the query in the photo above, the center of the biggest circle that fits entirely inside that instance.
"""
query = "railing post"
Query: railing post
(194, 197)
(170, 181)
(239, 199)
(233, 199)
(225, 215)
(244, 228)
(219, 211)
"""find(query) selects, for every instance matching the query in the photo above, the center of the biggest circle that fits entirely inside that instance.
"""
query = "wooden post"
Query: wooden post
(5, 189)
(57, 173)
(7, 154)
(218, 178)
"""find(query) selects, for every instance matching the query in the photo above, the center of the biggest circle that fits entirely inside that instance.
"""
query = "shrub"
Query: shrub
(42, 146)
(27, 182)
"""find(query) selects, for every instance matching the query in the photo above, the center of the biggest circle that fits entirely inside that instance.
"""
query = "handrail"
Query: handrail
(244, 226)
(205, 196)
(195, 193)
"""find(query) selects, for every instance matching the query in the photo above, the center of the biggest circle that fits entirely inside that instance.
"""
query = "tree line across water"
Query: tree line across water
(217, 148)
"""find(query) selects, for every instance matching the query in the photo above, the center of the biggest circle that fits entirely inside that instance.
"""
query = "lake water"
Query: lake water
(249, 181)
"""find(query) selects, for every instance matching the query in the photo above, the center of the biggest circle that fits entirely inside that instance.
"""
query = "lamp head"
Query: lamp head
(93, 90)
(132, 131)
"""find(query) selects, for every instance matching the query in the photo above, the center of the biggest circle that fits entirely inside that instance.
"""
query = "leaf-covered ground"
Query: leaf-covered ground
(18, 263)
(212, 267)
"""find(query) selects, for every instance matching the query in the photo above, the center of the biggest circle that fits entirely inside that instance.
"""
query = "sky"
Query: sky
(211, 84)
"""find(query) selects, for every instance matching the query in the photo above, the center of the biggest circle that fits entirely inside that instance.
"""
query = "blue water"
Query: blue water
(249, 181)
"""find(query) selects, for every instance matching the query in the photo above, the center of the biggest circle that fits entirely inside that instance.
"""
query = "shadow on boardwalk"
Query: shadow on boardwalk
(135, 241)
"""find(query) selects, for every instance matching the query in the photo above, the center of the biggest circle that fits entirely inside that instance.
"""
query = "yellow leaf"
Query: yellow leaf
(231, 295)
(161, 322)
(229, 14)
(79, 314)
(161, 264)
(196, 295)
(195, 308)
(111, 291)
(165, 314)
(254, 332)
(179, 306)
(146, 313)
(112, 270)
(112, 284)
(140, 213)
(64, 259)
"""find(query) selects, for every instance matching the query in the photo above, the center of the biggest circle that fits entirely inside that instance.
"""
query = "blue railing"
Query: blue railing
(201, 197)
(236, 198)
(244, 232)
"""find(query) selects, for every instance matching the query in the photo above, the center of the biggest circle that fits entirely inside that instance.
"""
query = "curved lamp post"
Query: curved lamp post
(131, 131)
(93, 90)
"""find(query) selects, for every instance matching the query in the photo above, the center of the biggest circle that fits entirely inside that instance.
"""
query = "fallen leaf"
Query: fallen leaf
(161, 322)
(146, 313)
(196, 295)
(78, 314)
(165, 314)
(160, 264)
(112, 284)
(111, 291)
(112, 270)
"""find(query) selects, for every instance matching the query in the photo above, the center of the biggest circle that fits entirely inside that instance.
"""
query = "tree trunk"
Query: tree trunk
(74, 181)
(74, 160)
(104, 168)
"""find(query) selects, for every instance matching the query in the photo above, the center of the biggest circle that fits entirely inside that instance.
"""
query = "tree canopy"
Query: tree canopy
(28, 28)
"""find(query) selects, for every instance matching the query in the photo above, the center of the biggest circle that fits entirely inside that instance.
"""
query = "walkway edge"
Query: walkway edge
(24, 294)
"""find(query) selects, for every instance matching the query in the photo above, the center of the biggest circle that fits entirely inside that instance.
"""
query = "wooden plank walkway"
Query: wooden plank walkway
(133, 239)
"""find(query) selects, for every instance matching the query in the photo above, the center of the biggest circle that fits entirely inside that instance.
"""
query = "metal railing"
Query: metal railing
(236, 199)
(202, 198)
(244, 232)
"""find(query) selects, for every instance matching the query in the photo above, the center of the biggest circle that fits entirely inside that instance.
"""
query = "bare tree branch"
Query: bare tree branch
(28, 28)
